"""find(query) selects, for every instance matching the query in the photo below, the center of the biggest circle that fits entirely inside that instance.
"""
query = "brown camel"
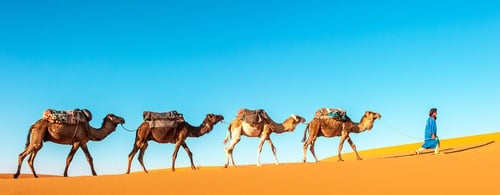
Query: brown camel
(329, 127)
(76, 135)
(262, 129)
(175, 136)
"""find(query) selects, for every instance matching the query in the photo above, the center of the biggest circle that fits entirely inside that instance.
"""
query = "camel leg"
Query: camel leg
(274, 150)
(131, 156)
(34, 143)
(230, 148)
(190, 154)
(310, 142)
(342, 139)
(141, 156)
(174, 156)
(89, 158)
(305, 151)
(31, 161)
(353, 147)
(75, 147)
(259, 149)
(312, 150)
(23, 155)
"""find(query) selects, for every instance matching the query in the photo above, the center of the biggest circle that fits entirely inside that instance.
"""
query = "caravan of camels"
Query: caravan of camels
(73, 128)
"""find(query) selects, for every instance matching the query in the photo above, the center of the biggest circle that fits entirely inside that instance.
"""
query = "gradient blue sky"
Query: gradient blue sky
(197, 57)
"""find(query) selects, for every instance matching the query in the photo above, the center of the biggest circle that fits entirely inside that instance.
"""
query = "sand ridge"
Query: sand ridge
(466, 165)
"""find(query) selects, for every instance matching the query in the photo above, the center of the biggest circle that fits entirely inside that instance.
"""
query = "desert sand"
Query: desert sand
(467, 165)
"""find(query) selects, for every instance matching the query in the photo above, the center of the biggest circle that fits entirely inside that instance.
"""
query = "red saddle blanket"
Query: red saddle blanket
(67, 116)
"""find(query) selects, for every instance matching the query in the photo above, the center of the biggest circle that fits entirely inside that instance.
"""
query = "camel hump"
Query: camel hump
(67, 116)
(252, 116)
(335, 113)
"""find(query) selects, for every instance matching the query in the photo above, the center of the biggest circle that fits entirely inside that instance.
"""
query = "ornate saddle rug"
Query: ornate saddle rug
(335, 113)
(252, 116)
(163, 119)
(67, 116)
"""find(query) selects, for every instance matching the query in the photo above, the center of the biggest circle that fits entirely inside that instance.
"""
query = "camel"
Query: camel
(262, 129)
(330, 127)
(175, 136)
(76, 135)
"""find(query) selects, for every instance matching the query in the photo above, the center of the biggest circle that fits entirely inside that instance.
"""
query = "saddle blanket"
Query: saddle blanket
(252, 116)
(163, 123)
(147, 115)
(335, 113)
(163, 119)
(67, 116)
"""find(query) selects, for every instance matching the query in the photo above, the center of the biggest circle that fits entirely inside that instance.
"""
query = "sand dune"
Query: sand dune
(468, 165)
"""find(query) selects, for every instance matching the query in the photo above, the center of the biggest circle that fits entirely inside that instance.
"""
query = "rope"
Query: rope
(400, 132)
(128, 129)
(76, 130)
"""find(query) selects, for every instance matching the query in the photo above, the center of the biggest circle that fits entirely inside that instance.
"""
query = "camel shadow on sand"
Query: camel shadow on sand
(443, 151)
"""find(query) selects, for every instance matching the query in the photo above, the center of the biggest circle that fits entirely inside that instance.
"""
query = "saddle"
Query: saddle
(335, 113)
(252, 116)
(163, 119)
(67, 116)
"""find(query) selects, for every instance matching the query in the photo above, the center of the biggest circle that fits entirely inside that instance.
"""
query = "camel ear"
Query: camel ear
(367, 112)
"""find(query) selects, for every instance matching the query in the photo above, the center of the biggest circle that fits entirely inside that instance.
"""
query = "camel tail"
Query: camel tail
(28, 140)
(305, 133)
(228, 134)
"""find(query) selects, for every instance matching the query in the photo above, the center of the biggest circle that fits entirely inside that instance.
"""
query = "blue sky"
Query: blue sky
(123, 57)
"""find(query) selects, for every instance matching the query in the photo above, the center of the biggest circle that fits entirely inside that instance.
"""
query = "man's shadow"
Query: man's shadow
(447, 151)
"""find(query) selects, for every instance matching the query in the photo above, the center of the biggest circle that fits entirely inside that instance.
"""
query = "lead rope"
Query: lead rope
(400, 132)
(127, 129)
(76, 130)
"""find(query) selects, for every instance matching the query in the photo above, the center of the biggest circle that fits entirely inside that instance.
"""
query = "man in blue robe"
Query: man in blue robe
(431, 138)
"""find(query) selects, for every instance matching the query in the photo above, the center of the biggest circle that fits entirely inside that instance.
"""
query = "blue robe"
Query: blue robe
(430, 128)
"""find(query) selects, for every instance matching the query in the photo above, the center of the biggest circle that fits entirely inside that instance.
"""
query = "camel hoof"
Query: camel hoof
(259, 165)
(340, 160)
(16, 176)
(225, 166)
(359, 158)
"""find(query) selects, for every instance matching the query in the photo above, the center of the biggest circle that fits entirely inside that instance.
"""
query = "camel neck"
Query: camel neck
(365, 124)
(283, 127)
(204, 128)
(107, 128)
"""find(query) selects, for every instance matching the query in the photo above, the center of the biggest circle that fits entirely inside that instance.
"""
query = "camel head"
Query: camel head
(372, 115)
(298, 119)
(292, 122)
(115, 119)
(366, 122)
(213, 119)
